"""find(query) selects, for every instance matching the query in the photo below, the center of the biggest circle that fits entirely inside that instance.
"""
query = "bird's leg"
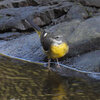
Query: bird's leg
(49, 63)
(58, 66)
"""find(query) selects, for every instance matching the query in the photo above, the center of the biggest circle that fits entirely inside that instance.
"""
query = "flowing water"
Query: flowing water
(22, 80)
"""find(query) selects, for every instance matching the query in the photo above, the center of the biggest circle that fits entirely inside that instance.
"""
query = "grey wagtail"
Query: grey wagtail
(54, 45)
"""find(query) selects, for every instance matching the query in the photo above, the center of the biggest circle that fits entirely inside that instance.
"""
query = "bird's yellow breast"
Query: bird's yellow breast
(58, 51)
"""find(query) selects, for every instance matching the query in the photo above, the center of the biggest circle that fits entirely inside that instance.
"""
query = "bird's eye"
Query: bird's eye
(57, 37)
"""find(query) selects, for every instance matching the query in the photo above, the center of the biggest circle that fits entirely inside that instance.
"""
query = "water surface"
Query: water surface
(22, 80)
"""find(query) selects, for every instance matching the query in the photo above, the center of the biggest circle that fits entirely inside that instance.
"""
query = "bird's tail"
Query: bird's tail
(35, 27)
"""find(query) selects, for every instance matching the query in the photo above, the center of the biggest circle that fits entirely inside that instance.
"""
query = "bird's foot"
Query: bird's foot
(49, 64)
(58, 65)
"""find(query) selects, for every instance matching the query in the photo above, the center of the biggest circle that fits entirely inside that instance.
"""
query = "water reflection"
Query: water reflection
(20, 80)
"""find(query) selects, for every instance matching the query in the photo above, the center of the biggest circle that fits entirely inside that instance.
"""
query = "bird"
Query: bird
(54, 44)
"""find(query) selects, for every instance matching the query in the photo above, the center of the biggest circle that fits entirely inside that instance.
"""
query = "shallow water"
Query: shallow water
(21, 80)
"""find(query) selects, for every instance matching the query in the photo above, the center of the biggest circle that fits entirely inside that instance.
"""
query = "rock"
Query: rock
(59, 20)
(86, 37)
(26, 47)
(77, 12)
(91, 11)
(23, 46)
(5, 4)
(65, 28)
(24, 3)
(47, 2)
(87, 62)
(33, 2)
(95, 3)
(13, 18)
(9, 35)
(81, 37)
(19, 3)
(12, 3)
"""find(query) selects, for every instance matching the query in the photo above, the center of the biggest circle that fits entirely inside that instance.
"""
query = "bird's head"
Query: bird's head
(57, 40)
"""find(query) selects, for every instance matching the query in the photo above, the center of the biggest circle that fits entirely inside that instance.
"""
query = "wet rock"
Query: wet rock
(5, 4)
(33, 2)
(81, 36)
(23, 3)
(12, 18)
(97, 13)
(77, 12)
(95, 3)
(19, 3)
(86, 37)
(9, 35)
(28, 46)
(25, 47)
(12, 3)
(65, 28)
(47, 2)
(87, 62)
(59, 20)
(91, 11)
